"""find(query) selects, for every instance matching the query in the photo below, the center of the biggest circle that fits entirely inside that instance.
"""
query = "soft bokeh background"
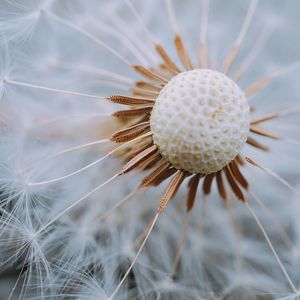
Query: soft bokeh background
(38, 50)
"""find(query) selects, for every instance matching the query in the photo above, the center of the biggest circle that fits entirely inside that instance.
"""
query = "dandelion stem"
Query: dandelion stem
(152, 224)
(88, 35)
(271, 247)
(39, 87)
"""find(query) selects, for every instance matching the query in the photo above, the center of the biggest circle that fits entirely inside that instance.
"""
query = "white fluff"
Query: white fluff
(58, 61)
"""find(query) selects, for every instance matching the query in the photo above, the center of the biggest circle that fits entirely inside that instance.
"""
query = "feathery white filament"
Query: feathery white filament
(104, 215)
(236, 47)
(68, 117)
(203, 34)
(87, 166)
(122, 38)
(75, 172)
(289, 110)
(276, 176)
(136, 40)
(68, 150)
(39, 87)
(265, 80)
(136, 256)
(76, 203)
(258, 46)
(88, 35)
(285, 71)
(271, 247)
(92, 70)
(292, 141)
(172, 17)
(280, 228)
(204, 21)
(247, 22)
(140, 20)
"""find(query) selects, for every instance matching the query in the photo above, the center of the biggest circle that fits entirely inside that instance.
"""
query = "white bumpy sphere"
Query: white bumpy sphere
(200, 121)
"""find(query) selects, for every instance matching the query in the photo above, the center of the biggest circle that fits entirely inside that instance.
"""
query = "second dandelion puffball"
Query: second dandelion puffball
(200, 121)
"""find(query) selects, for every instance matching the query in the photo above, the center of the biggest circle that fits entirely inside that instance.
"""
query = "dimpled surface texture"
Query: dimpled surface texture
(200, 121)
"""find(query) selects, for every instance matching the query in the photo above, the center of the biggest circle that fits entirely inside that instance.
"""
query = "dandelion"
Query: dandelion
(179, 120)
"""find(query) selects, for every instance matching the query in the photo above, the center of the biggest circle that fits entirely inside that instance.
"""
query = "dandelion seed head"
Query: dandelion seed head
(200, 121)
(76, 241)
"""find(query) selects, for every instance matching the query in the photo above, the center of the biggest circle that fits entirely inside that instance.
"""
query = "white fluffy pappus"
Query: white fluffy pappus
(69, 227)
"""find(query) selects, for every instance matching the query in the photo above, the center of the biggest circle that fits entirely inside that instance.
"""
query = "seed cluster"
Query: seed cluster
(200, 121)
